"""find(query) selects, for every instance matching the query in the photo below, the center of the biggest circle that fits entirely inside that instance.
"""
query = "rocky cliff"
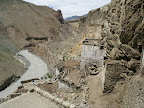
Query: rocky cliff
(120, 26)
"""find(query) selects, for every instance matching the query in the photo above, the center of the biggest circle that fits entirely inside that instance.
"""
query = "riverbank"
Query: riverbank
(36, 68)
(10, 70)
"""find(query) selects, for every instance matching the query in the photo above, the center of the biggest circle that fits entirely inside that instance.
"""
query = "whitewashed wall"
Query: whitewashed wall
(91, 54)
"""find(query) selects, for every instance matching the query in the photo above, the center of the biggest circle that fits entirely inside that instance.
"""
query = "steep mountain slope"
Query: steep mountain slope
(22, 20)
(10, 69)
(24, 25)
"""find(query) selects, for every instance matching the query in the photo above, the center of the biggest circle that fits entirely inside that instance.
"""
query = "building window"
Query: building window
(101, 47)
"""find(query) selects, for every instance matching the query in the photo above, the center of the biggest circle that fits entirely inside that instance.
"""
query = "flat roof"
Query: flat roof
(93, 42)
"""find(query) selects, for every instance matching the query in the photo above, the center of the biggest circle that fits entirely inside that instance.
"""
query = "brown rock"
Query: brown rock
(134, 65)
(129, 52)
(60, 17)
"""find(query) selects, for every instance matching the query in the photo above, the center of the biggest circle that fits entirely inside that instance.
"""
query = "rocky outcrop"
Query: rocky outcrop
(120, 22)
(60, 17)
(132, 23)
(120, 26)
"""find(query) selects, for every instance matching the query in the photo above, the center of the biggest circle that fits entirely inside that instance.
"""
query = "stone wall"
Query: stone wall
(53, 98)
(112, 74)
(91, 54)
(142, 64)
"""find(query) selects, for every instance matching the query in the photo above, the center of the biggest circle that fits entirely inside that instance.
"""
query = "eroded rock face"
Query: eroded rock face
(132, 23)
(129, 23)
(59, 16)
(134, 65)
(120, 22)
(120, 25)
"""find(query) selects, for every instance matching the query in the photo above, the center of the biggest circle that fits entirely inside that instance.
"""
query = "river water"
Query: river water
(36, 69)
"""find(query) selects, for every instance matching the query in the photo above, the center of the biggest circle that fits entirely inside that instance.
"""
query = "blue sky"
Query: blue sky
(71, 7)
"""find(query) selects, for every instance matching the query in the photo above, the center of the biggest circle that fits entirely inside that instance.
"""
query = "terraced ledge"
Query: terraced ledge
(53, 98)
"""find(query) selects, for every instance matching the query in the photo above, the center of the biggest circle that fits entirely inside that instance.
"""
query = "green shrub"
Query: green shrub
(49, 75)
(63, 58)
(20, 55)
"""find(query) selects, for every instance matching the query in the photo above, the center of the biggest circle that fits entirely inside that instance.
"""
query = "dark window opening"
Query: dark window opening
(140, 48)
(92, 69)
(105, 58)
(102, 47)
(95, 66)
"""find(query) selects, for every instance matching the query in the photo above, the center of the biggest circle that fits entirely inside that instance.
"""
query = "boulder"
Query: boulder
(66, 104)
(72, 106)
(134, 65)
(60, 17)
(130, 52)
(58, 100)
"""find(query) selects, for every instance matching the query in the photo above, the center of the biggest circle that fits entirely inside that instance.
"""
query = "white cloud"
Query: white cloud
(71, 7)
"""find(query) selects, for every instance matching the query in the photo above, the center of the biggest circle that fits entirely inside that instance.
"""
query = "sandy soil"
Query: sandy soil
(29, 100)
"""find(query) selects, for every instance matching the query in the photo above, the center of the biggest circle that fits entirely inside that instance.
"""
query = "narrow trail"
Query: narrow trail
(37, 69)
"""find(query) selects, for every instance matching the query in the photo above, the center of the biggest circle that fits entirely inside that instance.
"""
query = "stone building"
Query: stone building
(92, 54)
(92, 62)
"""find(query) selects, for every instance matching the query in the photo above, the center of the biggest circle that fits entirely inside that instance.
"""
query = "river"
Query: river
(36, 69)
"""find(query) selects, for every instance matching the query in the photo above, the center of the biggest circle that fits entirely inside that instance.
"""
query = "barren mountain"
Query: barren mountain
(99, 58)
(24, 25)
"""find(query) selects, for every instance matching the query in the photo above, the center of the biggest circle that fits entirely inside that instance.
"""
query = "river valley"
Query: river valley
(36, 69)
